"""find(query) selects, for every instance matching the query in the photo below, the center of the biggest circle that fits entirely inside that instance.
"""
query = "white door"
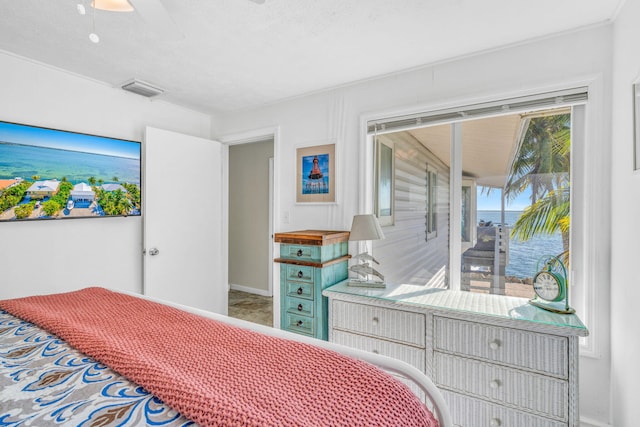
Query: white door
(183, 207)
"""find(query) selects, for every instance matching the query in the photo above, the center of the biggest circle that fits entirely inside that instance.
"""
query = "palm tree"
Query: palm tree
(92, 181)
(542, 165)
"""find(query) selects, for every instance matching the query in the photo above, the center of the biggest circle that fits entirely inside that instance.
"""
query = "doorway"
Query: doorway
(250, 230)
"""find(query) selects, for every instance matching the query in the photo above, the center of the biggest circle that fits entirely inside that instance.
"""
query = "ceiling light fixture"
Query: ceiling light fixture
(112, 5)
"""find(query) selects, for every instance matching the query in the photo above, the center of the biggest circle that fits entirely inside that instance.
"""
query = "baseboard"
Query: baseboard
(588, 422)
(249, 290)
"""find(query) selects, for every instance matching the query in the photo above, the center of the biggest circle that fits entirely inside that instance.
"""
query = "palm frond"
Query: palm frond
(546, 216)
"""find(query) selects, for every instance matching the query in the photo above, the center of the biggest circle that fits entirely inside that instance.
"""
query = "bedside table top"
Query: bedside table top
(496, 306)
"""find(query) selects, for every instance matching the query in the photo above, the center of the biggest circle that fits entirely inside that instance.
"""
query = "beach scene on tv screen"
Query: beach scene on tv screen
(48, 173)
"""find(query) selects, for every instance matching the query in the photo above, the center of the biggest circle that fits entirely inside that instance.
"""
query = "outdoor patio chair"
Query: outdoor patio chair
(482, 258)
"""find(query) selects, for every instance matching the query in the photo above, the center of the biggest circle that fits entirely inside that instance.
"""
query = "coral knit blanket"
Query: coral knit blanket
(220, 375)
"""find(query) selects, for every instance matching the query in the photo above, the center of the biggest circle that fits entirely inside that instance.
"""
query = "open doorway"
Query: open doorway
(250, 220)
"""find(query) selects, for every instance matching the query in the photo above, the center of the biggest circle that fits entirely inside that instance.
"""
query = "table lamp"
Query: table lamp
(366, 227)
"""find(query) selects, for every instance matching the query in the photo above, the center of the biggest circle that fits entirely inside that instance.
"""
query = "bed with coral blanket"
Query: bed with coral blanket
(95, 357)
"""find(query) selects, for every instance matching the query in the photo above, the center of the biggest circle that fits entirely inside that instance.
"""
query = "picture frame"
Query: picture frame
(636, 126)
(316, 174)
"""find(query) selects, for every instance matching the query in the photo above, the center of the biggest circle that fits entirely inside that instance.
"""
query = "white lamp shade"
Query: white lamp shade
(366, 227)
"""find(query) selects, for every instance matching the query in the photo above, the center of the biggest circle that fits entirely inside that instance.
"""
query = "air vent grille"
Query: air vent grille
(142, 88)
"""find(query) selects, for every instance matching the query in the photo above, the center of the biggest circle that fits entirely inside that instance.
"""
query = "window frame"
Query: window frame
(385, 220)
(431, 208)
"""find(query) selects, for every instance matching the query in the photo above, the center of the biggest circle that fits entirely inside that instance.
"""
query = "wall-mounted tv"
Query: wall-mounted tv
(53, 174)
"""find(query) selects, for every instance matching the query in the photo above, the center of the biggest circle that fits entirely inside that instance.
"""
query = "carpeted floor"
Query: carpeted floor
(251, 307)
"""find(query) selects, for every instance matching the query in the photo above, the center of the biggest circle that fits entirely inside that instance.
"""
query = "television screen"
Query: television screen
(48, 173)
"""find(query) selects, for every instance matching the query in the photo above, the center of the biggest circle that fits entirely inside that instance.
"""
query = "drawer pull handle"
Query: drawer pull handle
(299, 323)
(494, 345)
(300, 274)
(494, 384)
(299, 307)
(375, 352)
(495, 422)
(299, 291)
(375, 321)
(299, 253)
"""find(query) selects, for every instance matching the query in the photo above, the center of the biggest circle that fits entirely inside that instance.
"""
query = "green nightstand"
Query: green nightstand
(310, 261)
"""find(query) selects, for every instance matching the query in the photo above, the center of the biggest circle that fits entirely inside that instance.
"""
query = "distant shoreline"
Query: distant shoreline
(65, 149)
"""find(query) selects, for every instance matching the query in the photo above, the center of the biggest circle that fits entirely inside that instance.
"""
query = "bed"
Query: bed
(96, 357)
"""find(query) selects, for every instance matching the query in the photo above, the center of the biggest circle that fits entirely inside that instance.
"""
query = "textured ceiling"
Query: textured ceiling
(236, 54)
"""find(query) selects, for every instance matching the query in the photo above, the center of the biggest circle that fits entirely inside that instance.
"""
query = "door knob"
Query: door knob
(153, 251)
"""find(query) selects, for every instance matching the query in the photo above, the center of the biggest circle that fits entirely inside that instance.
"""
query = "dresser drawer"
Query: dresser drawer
(469, 412)
(300, 290)
(521, 349)
(299, 306)
(299, 273)
(412, 355)
(300, 252)
(300, 324)
(403, 326)
(525, 390)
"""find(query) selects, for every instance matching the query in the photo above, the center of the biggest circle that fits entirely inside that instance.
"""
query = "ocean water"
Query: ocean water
(524, 256)
(26, 161)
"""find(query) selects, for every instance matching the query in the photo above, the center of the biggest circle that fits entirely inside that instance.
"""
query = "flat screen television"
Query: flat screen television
(56, 174)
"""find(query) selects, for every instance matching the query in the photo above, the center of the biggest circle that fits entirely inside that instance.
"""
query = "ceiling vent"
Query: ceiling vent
(142, 88)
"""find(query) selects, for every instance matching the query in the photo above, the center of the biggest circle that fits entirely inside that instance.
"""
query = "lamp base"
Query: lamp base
(366, 283)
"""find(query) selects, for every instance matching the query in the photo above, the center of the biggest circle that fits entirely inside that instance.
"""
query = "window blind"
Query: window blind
(546, 100)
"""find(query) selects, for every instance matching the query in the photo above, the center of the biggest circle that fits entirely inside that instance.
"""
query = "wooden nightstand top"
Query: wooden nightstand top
(312, 237)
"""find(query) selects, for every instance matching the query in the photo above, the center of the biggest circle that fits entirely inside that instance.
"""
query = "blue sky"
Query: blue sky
(41, 137)
(491, 202)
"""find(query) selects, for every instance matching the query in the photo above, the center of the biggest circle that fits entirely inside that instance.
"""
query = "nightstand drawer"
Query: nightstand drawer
(299, 306)
(524, 390)
(299, 273)
(412, 355)
(300, 324)
(300, 290)
(403, 326)
(300, 252)
(469, 412)
(521, 349)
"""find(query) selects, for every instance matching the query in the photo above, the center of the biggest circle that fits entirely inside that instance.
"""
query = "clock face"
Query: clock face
(546, 286)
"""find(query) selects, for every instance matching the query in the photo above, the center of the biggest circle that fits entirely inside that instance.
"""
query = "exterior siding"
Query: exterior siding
(405, 256)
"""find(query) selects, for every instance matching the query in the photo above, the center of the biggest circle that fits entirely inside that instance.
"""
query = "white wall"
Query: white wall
(547, 64)
(61, 255)
(625, 215)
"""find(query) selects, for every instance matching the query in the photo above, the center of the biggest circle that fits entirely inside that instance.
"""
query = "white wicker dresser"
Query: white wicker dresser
(498, 360)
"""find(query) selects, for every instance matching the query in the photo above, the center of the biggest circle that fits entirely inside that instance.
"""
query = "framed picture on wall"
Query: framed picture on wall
(636, 126)
(316, 174)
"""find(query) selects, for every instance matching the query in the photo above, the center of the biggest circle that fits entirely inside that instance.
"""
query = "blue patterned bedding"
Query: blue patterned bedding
(44, 381)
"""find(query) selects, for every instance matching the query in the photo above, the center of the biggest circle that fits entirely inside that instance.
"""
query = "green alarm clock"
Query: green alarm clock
(550, 286)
